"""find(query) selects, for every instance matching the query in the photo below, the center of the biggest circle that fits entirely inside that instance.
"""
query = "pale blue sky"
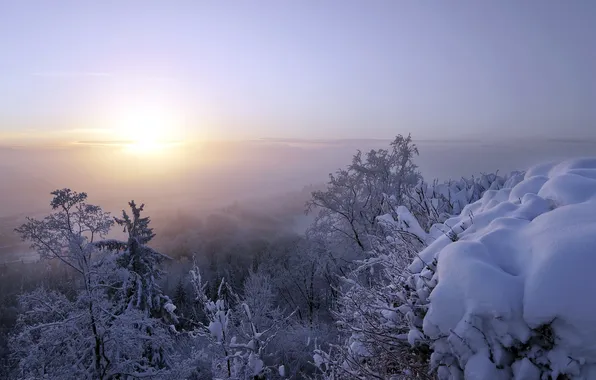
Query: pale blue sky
(320, 69)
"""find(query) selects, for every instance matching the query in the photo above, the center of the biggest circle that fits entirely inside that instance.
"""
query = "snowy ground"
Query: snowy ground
(522, 265)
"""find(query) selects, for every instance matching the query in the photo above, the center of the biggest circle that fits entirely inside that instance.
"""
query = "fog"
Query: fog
(271, 178)
(231, 208)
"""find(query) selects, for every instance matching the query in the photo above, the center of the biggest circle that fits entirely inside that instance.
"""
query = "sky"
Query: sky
(96, 70)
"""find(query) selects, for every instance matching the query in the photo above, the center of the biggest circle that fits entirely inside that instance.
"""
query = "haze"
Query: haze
(194, 105)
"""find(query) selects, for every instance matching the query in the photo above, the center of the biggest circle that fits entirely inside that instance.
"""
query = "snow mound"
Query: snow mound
(515, 279)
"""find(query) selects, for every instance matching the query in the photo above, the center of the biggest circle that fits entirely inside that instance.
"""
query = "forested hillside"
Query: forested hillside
(397, 277)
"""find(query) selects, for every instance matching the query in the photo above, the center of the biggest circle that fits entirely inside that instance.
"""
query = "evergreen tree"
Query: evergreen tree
(143, 292)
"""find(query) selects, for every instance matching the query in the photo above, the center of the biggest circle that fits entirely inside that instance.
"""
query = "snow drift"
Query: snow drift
(515, 283)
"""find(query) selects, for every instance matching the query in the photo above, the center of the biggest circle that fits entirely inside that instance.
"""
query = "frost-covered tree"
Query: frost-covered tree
(357, 195)
(382, 304)
(93, 334)
(142, 291)
(258, 294)
(375, 340)
(143, 263)
(300, 277)
(87, 337)
(349, 222)
(183, 301)
(303, 277)
(65, 235)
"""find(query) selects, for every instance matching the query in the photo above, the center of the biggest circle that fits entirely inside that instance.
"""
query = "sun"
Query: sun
(148, 129)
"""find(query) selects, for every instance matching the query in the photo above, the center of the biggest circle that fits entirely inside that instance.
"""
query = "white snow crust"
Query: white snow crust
(524, 258)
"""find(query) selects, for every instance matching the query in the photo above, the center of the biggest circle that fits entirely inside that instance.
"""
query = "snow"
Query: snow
(409, 223)
(403, 221)
(525, 370)
(523, 259)
(216, 329)
(170, 307)
(318, 360)
(255, 364)
(479, 367)
(414, 335)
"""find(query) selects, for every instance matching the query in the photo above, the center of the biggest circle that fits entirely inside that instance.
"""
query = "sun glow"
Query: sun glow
(145, 147)
(148, 129)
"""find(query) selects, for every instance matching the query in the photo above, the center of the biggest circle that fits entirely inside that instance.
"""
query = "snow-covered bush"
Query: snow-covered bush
(238, 339)
(433, 203)
(512, 294)
(378, 335)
